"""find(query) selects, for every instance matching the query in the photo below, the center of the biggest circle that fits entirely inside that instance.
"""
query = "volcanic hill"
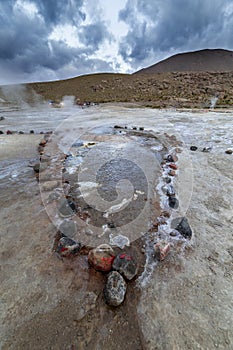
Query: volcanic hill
(188, 80)
(216, 60)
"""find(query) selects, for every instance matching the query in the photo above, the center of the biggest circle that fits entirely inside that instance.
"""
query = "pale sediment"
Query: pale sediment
(50, 303)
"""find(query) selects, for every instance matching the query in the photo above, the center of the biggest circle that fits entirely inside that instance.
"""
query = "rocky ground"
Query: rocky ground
(161, 90)
(184, 302)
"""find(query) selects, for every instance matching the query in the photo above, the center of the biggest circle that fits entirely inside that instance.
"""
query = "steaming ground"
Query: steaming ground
(186, 304)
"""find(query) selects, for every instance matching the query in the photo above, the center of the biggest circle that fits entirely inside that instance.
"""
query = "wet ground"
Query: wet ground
(184, 302)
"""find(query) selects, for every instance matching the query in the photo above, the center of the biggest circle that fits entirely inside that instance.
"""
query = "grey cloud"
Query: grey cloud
(19, 33)
(57, 11)
(94, 34)
(168, 26)
(27, 49)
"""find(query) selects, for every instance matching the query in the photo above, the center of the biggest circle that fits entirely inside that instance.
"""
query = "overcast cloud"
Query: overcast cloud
(55, 39)
(33, 43)
(160, 28)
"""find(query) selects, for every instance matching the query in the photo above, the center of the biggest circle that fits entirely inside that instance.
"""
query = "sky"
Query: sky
(44, 40)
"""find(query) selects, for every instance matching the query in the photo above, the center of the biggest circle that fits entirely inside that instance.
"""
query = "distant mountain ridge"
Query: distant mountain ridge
(208, 60)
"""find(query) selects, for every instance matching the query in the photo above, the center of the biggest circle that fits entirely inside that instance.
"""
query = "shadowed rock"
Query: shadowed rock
(182, 226)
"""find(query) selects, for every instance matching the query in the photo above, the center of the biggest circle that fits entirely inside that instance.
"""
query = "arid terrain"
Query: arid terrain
(191, 80)
(215, 60)
(183, 302)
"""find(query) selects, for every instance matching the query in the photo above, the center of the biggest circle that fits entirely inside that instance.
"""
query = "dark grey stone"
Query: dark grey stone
(182, 226)
(68, 247)
(207, 149)
(66, 207)
(125, 265)
(168, 180)
(68, 228)
(173, 202)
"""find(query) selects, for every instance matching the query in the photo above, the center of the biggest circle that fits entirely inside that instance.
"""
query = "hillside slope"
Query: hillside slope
(216, 60)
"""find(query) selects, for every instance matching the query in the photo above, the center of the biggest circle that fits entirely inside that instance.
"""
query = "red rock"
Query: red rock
(101, 258)
(173, 166)
(161, 250)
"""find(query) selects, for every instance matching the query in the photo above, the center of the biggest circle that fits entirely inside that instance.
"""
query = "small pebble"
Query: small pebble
(173, 166)
(167, 180)
(171, 158)
(172, 172)
(66, 207)
(173, 234)
(68, 247)
(40, 149)
(170, 191)
(166, 214)
(182, 226)
(229, 151)
(173, 202)
(115, 289)
(161, 250)
(193, 148)
(68, 228)
(125, 265)
(43, 142)
(206, 149)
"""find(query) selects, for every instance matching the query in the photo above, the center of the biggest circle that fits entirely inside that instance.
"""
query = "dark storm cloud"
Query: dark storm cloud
(163, 27)
(93, 34)
(57, 11)
(26, 47)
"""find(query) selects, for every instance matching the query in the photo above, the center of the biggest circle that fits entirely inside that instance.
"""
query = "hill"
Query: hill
(216, 60)
(190, 89)
(161, 90)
